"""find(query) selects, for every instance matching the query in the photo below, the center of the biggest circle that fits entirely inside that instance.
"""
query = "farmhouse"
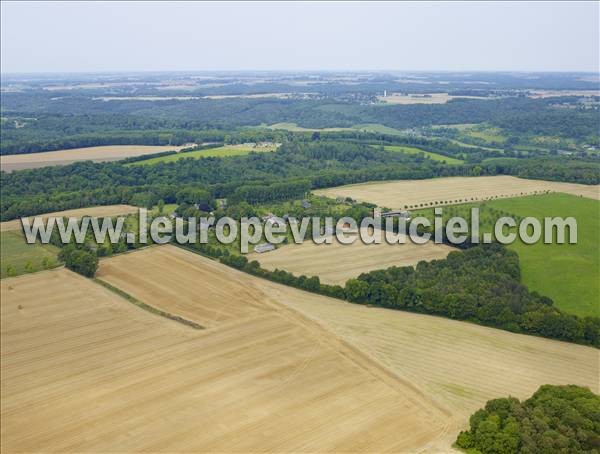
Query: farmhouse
(265, 247)
(398, 214)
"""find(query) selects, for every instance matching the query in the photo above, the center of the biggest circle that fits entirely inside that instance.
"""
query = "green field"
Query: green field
(379, 129)
(227, 150)
(413, 150)
(567, 273)
(368, 127)
(293, 127)
(18, 257)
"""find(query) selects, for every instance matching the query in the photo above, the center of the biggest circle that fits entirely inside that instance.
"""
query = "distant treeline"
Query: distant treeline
(321, 164)
(259, 177)
(46, 122)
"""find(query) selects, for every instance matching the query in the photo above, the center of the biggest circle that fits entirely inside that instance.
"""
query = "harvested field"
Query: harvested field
(444, 191)
(99, 211)
(196, 288)
(336, 263)
(84, 370)
(9, 163)
(461, 365)
(426, 98)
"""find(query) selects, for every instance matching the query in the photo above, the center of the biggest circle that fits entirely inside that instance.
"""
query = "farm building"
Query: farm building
(265, 247)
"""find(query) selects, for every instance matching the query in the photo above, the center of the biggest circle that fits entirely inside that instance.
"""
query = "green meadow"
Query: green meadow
(19, 257)
(567, 273)
(227, 150)
(429, 154)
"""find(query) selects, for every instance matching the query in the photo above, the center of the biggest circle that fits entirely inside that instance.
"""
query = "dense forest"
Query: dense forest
(481, 284)
(41, 121)
(556, 419)
(317, 164)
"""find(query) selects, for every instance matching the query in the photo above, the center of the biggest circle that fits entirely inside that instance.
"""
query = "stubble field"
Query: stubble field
(85, 370)
(335, 263)
(9, 163)
(444, 191)
(99, 211)
(460, 365)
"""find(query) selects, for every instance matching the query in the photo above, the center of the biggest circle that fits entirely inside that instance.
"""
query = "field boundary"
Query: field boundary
(147, 307)
(319, 329)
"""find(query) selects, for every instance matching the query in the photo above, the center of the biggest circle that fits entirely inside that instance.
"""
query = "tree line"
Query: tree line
(480, 284)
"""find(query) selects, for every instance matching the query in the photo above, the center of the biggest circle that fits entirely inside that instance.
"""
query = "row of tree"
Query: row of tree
(480, 285)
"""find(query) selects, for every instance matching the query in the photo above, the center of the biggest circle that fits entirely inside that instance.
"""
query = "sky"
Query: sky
(405, 36)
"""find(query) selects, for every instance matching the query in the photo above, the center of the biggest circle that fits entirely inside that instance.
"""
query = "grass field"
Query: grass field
(378, 128)
(98, 211)
(444, 191)
(227, 150)
(336, 263)
(487, 134)
(461, 365)
(20, 258)
(85, 370)
(9, 163)
(429, 154)
(293, 127)
(567, 273)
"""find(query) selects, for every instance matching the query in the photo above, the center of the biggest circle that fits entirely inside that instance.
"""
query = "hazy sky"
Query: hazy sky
(136, 36)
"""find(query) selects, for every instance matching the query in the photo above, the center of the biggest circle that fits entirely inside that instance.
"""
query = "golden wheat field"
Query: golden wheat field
(276, 369)
(443, 191)
(335, 263)
(458, 364)
(85, 370)
(9, 163)
(99, 211)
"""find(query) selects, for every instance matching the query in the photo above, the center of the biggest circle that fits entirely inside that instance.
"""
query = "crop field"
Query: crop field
(19, 257)
(84, 370)
(427, 98)
(9, 163)
(459, 364)
(445, 191)
(335, 263)
(227, 150)
(429, 154)
(99, 211)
